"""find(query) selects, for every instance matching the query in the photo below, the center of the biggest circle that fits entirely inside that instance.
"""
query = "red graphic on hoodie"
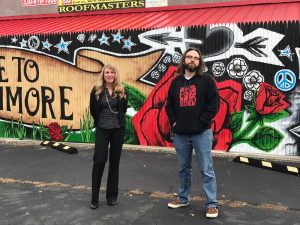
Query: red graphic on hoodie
(187, 96)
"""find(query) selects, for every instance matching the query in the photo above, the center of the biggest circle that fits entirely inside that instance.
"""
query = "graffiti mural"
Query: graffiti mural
(45, 81)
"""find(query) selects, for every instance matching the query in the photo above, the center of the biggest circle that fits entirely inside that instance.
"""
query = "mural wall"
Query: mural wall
(45, 82)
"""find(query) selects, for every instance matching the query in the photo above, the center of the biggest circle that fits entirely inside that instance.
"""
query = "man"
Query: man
(192, 103)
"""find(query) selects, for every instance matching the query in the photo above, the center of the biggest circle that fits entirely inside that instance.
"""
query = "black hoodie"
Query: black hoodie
(192, 103)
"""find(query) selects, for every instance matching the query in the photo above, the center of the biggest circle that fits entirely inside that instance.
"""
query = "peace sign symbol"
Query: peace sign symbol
(285, 80)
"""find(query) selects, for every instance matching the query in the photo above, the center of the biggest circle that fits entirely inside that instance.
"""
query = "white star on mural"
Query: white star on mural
(63, 45)
(103, 40)
(117, 37)
(14, 40)
(46, 45)
(128, 43)
(23, 43)
(287, 53)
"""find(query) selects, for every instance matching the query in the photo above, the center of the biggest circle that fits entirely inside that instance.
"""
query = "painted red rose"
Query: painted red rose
(55, 131)
(269, 100)
(151, 122)
(230, 102)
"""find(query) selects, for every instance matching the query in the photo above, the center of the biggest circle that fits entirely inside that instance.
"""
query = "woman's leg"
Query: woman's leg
(116, 143)
(100, 158)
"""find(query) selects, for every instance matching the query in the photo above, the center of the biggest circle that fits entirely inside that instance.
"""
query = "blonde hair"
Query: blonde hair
(118, 88)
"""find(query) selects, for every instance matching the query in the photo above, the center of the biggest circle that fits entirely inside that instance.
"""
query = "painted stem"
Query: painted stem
(246, 131)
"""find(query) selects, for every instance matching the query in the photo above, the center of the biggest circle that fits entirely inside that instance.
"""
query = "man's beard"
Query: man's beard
(191, 68)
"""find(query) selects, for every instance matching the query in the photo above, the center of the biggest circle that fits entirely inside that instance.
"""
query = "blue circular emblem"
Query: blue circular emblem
(285, 80)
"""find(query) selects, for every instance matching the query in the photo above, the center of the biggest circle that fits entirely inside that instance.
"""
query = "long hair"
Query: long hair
(180, 68)
(117, 87)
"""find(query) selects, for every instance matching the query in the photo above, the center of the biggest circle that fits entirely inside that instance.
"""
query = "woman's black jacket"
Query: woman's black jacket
(95, 108)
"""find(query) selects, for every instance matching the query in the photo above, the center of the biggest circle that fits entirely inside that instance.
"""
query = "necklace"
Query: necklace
(114, 112)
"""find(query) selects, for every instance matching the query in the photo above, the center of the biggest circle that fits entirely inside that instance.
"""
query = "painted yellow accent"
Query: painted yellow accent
(66, 147)
(56, 144)
(266, 164)
(243, 159)
(292, 169)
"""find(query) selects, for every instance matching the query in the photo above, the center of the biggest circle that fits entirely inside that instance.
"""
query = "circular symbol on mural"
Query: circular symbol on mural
(285, 80)
(155, 74)
(33, 42)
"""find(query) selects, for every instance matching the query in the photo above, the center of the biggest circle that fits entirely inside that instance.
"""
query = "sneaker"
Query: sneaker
(212, 212)
(177, 204)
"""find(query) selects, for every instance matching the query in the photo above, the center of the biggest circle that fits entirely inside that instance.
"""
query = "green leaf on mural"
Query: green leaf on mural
(237, 121)
(66, 132)
(266, 138)
(275, 116)
(253, 114)
(21, 130)
(35, 131)
(130, 134)
(86, 126)
(135, 98)
(44, 134)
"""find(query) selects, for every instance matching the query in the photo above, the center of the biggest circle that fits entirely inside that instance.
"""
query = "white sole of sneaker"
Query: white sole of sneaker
(211, 216)
(173, 206)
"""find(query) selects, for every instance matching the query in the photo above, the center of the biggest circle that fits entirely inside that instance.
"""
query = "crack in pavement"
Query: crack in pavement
(155, 194)
(143, 215)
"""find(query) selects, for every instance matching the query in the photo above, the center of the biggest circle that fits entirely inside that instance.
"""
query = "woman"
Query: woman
(108, 105)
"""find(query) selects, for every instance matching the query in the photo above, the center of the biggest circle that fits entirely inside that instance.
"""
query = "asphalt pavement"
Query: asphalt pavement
(42, 186)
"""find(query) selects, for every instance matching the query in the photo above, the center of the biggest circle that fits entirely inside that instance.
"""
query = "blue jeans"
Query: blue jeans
(202, 144)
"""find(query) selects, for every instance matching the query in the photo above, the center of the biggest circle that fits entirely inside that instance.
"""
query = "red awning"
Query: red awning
(172, 16)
